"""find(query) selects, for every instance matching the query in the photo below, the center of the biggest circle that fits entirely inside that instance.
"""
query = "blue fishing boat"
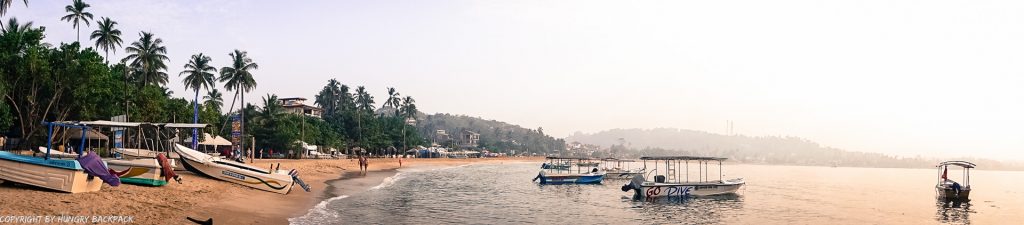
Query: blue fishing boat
(85, 173)
(555, 173)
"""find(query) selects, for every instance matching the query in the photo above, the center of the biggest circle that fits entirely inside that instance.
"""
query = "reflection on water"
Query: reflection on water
(953, 213)
(699, 210)
(504, 194)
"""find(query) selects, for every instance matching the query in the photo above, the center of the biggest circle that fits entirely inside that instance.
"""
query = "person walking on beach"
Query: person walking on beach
(363, 164)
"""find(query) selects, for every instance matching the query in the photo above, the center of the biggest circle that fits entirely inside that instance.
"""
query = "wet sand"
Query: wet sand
(203, 198)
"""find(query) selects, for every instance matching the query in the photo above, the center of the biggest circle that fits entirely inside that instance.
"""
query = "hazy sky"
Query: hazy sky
(931, 78)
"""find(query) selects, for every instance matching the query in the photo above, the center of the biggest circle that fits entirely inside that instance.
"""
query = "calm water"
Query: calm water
(503, 194)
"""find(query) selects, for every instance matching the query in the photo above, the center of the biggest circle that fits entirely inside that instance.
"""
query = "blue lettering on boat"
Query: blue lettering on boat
(232, 174)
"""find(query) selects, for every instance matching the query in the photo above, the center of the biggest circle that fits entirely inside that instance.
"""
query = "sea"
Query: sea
(505, 194)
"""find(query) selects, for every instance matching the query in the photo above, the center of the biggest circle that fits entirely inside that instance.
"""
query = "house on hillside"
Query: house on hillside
(298, 106)
(468, 139)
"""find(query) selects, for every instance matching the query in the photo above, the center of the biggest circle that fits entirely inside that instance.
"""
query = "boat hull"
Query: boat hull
(653, 190)
(133, 154)
(571, 178)
(949, 194)
(138, 171)
(245, 175)
(62, 175)
(621, 175)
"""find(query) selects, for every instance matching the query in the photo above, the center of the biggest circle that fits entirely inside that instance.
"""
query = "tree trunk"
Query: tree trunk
(195, 119)
(242, 131)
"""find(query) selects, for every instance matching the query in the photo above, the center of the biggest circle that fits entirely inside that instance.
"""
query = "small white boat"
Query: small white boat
(621, 169)
(669, 183)
(139, 171)
(948, 190)
(242, 174)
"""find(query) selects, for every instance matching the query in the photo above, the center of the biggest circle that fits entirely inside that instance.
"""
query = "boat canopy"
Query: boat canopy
(698, 158)
(964, 164)
(618, 160)
(184, 125)
(106, 123)
(576, 158)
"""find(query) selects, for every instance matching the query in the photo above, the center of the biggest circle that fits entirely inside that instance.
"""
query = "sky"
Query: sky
(934, 78)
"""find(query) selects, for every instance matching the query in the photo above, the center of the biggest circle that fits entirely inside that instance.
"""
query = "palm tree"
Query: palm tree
(107, 37)
(146, 58)
(409, 107)
(199, 74)
(394, 100)
(364, 99)
(238, 78)
(364, 103)
(408, 110)
(328, 98)
(76, 13)
(213, 99)
(6, 4)
(16, 29)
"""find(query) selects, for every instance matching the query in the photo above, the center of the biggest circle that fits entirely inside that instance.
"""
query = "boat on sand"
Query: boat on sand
(263, 179)
(82, 174)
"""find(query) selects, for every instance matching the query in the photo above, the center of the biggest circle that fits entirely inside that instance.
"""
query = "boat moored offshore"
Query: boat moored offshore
(670, 183)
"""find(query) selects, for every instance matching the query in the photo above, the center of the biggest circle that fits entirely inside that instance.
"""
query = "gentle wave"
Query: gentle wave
(318, 211)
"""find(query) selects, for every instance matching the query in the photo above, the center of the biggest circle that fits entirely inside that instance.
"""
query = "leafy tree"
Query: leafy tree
(238, 77)
(213, 100)
(6, 4)
(147, 60)
(76, 13)
(51, 83)
(198, 74)
(107, 37)
(394, 100)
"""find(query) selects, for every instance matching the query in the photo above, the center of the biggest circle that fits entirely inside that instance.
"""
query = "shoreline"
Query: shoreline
(202, 198)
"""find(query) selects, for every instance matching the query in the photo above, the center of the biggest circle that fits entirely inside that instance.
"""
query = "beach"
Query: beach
(203, 198)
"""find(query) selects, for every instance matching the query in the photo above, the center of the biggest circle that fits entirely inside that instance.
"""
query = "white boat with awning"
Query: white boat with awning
(670, 176)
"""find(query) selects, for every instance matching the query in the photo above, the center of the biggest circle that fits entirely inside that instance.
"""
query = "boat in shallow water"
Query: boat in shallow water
(239, 173)
(65, 175)
(669, 183)
(561, 175)
(948, 190)
(620, 169)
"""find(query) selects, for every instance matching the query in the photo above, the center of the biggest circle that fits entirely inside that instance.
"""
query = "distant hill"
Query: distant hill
(749, 149)
(494, 135)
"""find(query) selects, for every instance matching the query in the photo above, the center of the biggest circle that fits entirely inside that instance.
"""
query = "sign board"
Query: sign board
(119, 139)
(236, 133)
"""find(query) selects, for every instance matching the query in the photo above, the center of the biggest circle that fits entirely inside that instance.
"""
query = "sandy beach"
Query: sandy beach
(203, 198)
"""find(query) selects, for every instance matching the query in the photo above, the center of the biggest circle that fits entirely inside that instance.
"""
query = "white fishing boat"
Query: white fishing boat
(149, 147)
(620, 168)
(668, 182)
(65, 175)
(141, 171)
(949, 190)
(263, 179)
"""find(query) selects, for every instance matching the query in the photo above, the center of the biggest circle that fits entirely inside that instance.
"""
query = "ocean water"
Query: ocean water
(504, 194)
